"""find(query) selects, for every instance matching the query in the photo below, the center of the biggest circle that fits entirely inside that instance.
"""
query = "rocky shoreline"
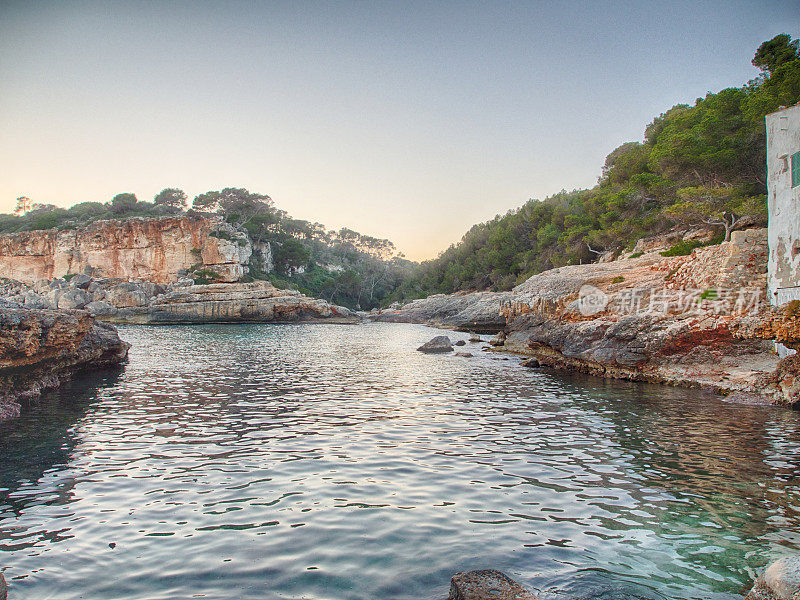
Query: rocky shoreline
(702, 320)
(147, 303)
(40, 349)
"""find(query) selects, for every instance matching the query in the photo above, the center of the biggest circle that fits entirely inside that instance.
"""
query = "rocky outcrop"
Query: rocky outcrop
(779, 581)
(143, 302)
(158, 250)
(255, 302)
(700, 320)
(39, 349)
(441, 343)
(476, 311)
(487, 584)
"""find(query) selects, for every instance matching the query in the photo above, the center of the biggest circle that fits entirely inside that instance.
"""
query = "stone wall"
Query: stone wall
(740, 263)
(156, 250)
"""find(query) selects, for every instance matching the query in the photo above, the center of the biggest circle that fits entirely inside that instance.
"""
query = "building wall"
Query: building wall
(783, 140)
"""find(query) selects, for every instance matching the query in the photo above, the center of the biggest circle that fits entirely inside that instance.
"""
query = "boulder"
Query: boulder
(52, 296)
(126, 295)
(474, 337)
(33, 300)
(487, 584)
(73, 299)
(531, 363)
(441, 343)
(4, 303)
(100, 308)
(460, 343)
(780, 581)
(80, 281)
(499, 339)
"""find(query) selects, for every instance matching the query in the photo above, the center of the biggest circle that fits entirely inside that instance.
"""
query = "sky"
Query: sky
(410, 121)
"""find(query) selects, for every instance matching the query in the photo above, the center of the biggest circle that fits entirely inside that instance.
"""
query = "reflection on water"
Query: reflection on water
(337, 462)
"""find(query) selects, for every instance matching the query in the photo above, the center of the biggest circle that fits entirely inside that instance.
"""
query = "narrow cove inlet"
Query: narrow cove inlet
(336, 462)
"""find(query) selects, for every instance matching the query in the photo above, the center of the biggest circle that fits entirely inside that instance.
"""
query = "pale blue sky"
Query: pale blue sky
(406, 120)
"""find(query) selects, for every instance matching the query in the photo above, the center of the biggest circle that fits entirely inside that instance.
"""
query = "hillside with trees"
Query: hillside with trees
(700, 165)
(344, 267)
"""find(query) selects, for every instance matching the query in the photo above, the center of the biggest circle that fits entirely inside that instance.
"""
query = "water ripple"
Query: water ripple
(334, 462)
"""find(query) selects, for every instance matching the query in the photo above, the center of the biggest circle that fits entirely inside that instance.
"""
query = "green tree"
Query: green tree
(208, 202)
(24, 205)
(720, 207)
(123, 203)
(172, 197)
(776, 52)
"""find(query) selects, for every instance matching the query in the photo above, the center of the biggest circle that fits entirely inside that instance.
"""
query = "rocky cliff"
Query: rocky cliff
(158, 250)
(701, 320)
(39, 349)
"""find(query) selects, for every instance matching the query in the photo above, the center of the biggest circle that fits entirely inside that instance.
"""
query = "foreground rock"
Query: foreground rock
(3, 588)
(144, 302)
(780, 581)
(487, 584)
(477, 311)
(39, 349)
(441, 343)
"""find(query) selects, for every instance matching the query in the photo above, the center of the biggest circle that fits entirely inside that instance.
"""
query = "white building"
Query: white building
(783, 189)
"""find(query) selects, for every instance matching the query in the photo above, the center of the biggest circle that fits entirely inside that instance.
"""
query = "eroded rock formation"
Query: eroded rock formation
(39, 349)
(258, 302)
(143, 302)
(681, 320)
(158, 250)
(477, 311)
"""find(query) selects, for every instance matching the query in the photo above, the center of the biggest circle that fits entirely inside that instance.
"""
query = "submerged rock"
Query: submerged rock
(464, 354)
(460, 343)
(780, 581)
(499, 339)
(441, 343)
(488, 584)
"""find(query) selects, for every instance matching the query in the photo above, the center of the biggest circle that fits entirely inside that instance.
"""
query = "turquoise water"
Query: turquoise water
(336, 462)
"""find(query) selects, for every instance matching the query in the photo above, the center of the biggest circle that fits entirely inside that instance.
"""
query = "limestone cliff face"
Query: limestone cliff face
(41, 348)
(155, 250)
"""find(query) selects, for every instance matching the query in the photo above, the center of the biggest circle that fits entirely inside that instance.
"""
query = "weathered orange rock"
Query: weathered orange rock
(153, 249)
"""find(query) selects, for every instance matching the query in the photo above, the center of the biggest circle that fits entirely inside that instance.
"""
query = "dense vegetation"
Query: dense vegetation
(698, 165)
